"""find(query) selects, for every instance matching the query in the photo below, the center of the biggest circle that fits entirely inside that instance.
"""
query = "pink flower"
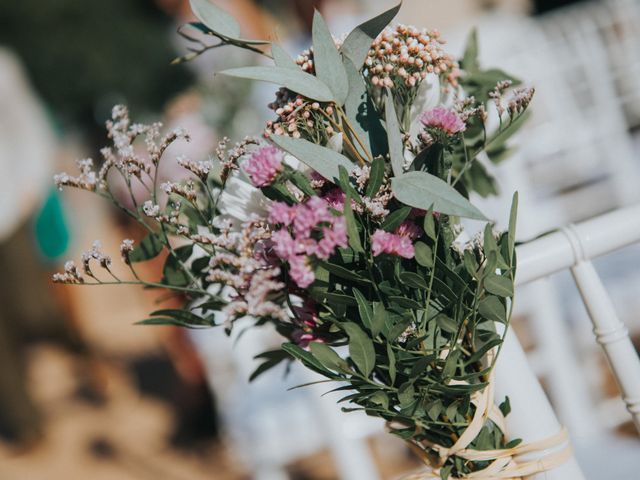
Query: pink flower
(333, 237)
(282, 213)
(335, 197)
(444, 119)
(300, 271)
(394, 244)
(297, 241)
(409, 229)
(264, 165)
(283, 244)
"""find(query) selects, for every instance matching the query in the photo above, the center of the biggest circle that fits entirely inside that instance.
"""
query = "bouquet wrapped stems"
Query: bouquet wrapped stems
(341, 228)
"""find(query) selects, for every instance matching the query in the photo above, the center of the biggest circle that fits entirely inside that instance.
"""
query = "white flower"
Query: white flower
(241, 201)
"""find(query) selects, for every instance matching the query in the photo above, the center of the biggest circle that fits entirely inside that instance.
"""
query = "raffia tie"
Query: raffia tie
(504, 465)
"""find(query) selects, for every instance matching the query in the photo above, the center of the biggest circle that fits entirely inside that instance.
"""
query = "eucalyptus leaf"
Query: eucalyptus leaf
(426, 191)
(215, 18)
(394, 135)
(327, 60)
(357, 44)
(281, 58)
(323, 160)
(295, 80)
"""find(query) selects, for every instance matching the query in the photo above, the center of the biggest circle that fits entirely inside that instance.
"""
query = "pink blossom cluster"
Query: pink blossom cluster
(264, 165)
(444, 119)
(296, 242)
(398, 243)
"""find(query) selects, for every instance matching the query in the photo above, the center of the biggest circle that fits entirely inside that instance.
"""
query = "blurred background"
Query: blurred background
(84, 393)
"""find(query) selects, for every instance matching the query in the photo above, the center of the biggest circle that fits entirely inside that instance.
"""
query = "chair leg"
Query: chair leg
(611, 334)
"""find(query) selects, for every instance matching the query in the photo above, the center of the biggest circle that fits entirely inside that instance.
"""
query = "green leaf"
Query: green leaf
(297, 80)
(395, 218)
(406, 393)
(272, 358)
(513, 219)
(470, 57)
(327, 61)
(405, 302)
(471, 264)
(173, 272)
(376, 177)
(323, 160)
(424, 254)
(498, 285)
(159, 321)
(352, 227)
(379, 318)
(392, 363)
(215, 18)
(328, 357)
(426, 191)
(355, 100)
(414, 280)
(361, 348)
(364, 308)
(343, 272)
(307, 358)
(489, 78)
(505, 407)
(183, 316)
(430, 225)
(281, 58)
(394, 135)
(492, 308)
(149, 248)
(447, 324)
(358, 42)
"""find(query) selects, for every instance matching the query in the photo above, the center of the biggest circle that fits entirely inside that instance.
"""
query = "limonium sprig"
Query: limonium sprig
(341, 226)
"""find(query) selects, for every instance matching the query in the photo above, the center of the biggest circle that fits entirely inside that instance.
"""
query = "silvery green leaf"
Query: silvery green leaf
(470, 57)
(513, 219)
(295, 80)
(361, 348)
(215, 18)
(424, 254)
(323, 160)
(493, 309)
(358, 42)
(394, 135)
(426, 191)
(498, 285)
(355, 100)
(281, 58)
(327, 60)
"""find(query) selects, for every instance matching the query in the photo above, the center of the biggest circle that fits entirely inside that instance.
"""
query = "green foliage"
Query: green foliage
(426, 191)
(295, 80)
(358, 42)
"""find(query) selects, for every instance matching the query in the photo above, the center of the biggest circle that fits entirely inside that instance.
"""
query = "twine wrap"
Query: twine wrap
(504, 464)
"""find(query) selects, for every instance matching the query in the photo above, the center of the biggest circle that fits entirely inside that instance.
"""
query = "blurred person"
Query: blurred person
(27, 151)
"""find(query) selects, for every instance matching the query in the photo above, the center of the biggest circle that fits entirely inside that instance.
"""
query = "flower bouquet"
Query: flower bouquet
(341, 227)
